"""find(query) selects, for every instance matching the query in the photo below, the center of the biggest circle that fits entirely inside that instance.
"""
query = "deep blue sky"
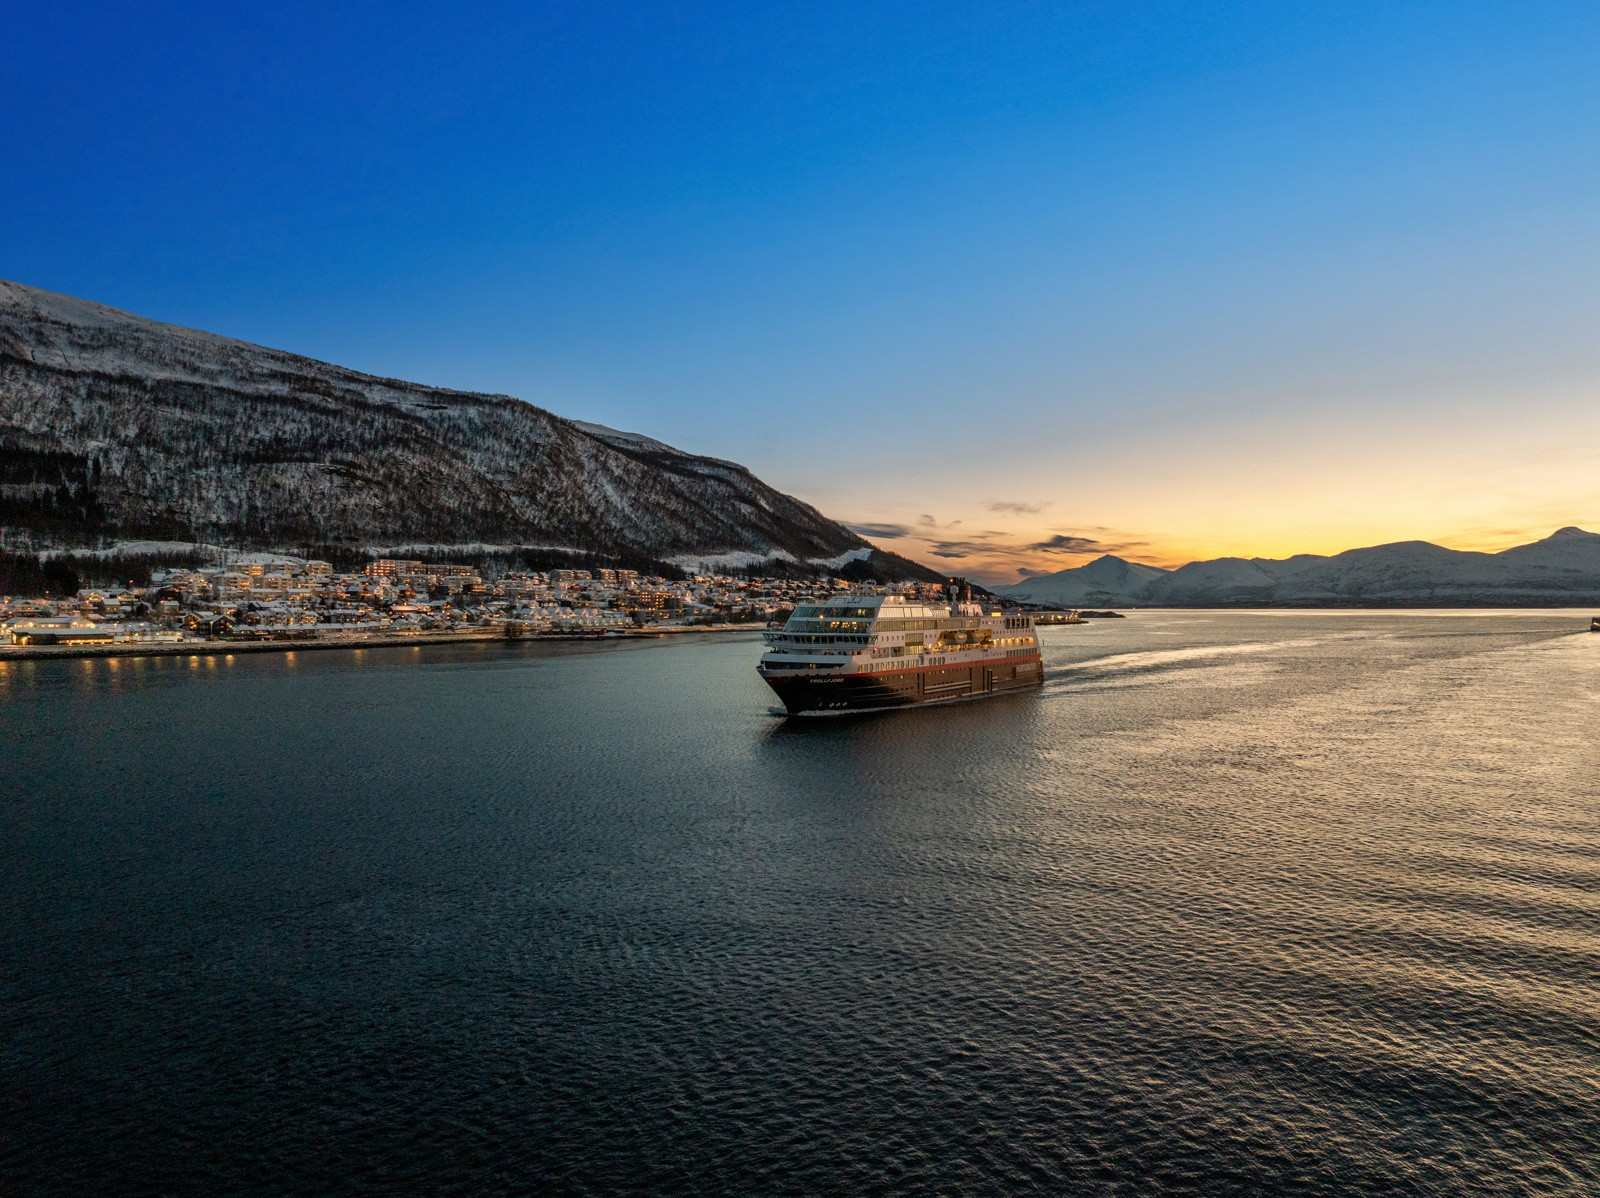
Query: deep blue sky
(1181, 277)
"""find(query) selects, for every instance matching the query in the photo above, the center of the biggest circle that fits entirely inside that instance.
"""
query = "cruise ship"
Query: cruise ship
(869, 652)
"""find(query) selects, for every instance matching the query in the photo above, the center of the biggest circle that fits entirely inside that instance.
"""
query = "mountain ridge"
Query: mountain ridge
(115, 426)
(1561, 568)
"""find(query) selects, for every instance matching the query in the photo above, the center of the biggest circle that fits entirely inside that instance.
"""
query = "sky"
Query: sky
(1002, 285)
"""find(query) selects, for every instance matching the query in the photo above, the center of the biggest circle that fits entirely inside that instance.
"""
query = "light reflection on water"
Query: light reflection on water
(1237, 903)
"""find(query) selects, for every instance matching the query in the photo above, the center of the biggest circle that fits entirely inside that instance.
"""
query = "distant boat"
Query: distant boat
(1058, 617)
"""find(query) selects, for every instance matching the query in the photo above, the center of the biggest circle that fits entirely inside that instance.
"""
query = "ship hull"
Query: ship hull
(816, 692)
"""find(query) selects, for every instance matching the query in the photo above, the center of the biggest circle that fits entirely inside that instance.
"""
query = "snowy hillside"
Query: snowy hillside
(1107, 581)
(1562, 568)
(117, 427)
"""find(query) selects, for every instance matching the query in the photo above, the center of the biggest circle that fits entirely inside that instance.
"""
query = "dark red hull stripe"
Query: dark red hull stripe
(970, 663)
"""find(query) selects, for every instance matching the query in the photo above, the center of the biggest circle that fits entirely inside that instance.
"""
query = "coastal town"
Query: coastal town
(278, 600)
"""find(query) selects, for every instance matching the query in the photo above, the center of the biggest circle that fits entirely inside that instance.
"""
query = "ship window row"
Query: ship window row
(894, 625)
(801, 622)
(799, 625)
(912, 644)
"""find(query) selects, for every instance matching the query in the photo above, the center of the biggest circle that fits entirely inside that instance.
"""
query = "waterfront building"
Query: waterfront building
(60, 630)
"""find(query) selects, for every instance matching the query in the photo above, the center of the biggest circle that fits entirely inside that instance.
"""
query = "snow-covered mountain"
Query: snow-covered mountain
(113, 426)
(1107, 581)
(1562, 568)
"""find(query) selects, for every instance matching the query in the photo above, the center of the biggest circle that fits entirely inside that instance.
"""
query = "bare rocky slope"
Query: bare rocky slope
(115, 428)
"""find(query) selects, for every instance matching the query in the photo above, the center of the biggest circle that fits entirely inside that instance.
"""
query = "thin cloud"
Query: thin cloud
(1075, 545)
(884, 532)
(1018, 509)
(961, 548)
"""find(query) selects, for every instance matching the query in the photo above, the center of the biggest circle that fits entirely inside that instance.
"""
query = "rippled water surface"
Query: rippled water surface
(1239, 903)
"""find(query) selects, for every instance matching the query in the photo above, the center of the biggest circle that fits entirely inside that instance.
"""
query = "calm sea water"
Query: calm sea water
(1239, 903)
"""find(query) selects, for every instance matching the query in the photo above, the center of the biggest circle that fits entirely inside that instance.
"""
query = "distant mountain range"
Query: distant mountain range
(1564, 568)
(118, 428)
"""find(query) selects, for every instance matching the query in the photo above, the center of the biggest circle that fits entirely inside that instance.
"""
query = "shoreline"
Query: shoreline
(376, 641)
(9, 653)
